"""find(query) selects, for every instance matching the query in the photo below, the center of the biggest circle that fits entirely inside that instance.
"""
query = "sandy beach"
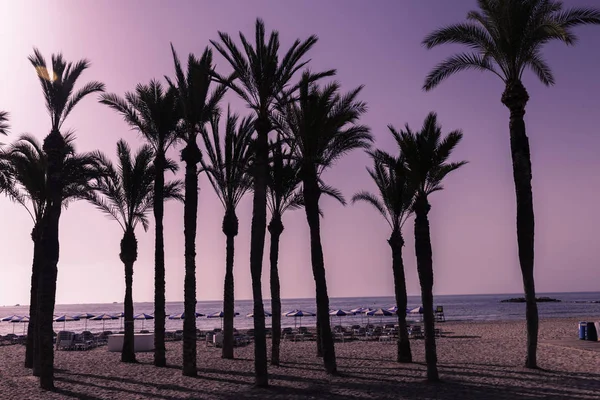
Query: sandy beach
(476, 360)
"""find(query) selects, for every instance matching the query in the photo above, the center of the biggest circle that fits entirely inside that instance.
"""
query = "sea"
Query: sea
(486, 307)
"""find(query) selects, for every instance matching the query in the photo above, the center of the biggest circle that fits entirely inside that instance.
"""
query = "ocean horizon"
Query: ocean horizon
(473, 307)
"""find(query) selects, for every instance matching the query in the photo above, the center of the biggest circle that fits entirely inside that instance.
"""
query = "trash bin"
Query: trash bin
(582, 330)
(590, 332)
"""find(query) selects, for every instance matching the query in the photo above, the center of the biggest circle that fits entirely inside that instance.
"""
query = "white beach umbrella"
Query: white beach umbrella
(143, 317)
(298, 314)
(103, 318)
(85, 317)
(64, 319)
(221, 315)
(17, 319)
(340, 313)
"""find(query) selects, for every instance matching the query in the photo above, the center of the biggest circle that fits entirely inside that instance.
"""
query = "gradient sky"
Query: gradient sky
(372, 43)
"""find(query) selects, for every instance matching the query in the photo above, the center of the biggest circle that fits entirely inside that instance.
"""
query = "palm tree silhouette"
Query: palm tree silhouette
(227, 169)
(262, 78)
(126, 194)
(58, 85)
(27, 165)
(282, 195)
(506, 38)
(394, 203)
(153, 112)
(426, 156)
(323, 126)
(197, 105)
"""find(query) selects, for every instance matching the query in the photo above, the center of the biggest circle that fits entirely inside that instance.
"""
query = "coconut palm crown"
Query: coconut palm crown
(506, 37)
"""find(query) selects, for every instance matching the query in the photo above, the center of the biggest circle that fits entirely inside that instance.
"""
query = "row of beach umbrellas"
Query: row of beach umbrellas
(296, 314)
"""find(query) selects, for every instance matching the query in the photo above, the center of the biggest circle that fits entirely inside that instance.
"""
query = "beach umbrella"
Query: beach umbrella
(64, 319)
(379, 312)
(220, 314)
(182, 316)
(120, 315)
(85, 317)
(361, 311)
(103, 318)
(9, 318)
(340, 313)
(417, 311)
(267, 314)
(298, 314)
(17, 319)
(143, 317)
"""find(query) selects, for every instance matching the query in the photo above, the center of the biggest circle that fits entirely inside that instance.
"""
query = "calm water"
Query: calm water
(459, 307)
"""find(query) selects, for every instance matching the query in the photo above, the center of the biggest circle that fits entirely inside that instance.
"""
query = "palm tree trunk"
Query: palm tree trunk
(275, 229)
(425, 270)
(191, 156)
(515, 98)
(311, 201)
(257, 245)
(54, 147)
(230, 228)
(31, 328)
(396, 243)
(160, 359)
(318, 339)
(128, 256)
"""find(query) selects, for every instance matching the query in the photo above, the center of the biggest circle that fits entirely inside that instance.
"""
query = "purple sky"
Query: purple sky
(472, 221)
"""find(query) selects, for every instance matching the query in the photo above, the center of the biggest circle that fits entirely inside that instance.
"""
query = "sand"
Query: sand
(476, 361)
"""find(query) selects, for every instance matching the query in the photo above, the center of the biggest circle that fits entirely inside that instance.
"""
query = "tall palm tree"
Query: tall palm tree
(323, 126)
(506, 37)
(227, 171)
(284, 194)
(261, 78)
(58, 85)
(126, 194)
(28, 166)
(394, 202)
(197, 104)
(153, 112)
(426, 156)
(283, 182)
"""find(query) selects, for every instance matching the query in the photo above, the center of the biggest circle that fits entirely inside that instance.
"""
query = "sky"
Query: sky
(375, 44)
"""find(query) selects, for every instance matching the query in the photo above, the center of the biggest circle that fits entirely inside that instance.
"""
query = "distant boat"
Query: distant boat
(17, 305)
(114, 302)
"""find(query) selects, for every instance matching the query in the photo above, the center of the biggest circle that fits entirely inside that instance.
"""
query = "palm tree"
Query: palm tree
(153, 112)
(322, 124)
(426, 156)
(197, 105)
(261, 78)
(27, 167)
(394, 202)
(227, 169)
(58, 84)
(283, 183)
(126, 194)
(506, 38)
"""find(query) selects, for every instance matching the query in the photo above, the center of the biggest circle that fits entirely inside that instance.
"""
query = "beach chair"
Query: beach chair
(218, 340)
(65, 341)
(415, 332)
(287, 333)
(209, 339)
